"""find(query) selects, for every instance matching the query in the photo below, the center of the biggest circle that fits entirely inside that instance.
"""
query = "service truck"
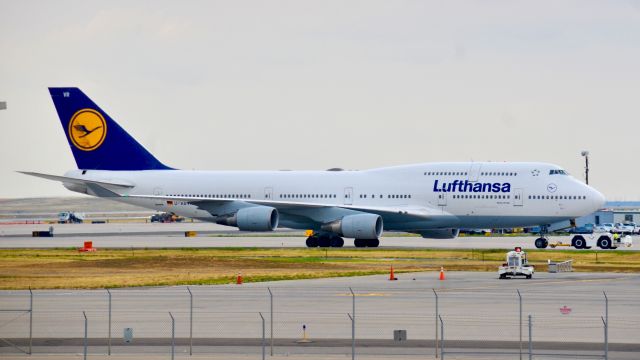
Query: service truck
(69, 217)
(516, 265)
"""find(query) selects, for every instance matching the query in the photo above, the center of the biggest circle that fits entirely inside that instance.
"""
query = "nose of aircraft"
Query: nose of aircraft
(597, 199)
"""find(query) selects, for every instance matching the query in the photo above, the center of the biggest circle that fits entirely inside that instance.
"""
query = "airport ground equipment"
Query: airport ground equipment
(564, 266)
(603, 240)
(623, 228)
(516, 265)
(166, 218)
(558, 243)
(69, 217)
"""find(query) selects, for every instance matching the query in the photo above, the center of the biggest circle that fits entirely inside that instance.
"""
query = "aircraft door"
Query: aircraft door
(348, 196)
(268, 193)
(442, 199)
(517, 197)
(474, 172)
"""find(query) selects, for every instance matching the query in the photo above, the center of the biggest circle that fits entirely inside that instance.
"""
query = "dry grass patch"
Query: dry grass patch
(66, 268)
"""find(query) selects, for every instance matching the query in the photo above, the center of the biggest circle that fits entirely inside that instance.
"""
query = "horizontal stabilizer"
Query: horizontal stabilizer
(70, 180)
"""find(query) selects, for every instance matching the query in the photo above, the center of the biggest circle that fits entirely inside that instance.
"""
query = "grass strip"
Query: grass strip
(108, 268)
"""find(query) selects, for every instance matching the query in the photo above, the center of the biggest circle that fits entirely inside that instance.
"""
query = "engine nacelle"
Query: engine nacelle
(360, 226)
(440, 233)
(255, 218)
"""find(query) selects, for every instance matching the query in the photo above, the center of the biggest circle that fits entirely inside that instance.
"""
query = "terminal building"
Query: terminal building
(613, 212)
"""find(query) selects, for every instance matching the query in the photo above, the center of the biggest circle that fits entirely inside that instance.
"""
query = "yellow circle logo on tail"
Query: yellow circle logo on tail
(87, 129)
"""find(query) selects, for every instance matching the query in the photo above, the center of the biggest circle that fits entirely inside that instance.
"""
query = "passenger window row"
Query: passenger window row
(215, 196)
(390, 196)
(446, 173)
(557, 197)
(498, 174)
(467, 196)
(464, 173)
(307, 196)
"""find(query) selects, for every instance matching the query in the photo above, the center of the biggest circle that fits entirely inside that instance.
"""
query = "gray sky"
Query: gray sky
(316, 84)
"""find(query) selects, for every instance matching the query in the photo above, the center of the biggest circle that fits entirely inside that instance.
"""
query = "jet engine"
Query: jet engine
(255, 218)
(360, 226)
(440, 233)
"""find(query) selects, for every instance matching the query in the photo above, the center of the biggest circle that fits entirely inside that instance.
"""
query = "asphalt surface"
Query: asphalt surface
(155, 235)
(480, 313)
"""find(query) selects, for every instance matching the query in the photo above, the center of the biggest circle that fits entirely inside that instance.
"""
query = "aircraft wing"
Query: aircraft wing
(212, 205)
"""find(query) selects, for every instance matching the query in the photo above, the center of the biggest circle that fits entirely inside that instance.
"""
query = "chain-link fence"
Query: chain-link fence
(447, 323)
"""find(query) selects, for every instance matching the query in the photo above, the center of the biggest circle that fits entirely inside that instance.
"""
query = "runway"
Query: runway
(156, 235)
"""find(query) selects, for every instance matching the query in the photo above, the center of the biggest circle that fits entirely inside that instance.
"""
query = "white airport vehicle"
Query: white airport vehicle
(516, 265)
(634, 228)
(623, 228)
(69, 217)
(602, 240)
(434, 200)
(604, 227)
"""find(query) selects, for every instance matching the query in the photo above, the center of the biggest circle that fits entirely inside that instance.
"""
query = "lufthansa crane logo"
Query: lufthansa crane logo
(87, 129)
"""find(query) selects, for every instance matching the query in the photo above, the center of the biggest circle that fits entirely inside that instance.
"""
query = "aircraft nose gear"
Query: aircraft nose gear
(542, 243)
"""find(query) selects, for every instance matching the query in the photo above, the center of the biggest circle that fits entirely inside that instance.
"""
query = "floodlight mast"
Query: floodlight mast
(585, 153)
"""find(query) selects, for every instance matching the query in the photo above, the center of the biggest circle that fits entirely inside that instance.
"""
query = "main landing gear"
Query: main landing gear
(327, 239)
(366, 242)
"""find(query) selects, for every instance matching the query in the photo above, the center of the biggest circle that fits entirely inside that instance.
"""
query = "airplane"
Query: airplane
(433, 200)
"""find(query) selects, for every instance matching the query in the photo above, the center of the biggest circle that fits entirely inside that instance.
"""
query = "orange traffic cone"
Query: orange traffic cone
(391, 276)
(239, 279)
(441, 272)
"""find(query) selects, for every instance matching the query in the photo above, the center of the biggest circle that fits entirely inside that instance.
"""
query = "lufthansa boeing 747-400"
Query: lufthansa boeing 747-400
(434, 200)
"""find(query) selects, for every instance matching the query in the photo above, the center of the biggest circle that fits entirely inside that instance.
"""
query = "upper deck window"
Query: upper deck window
(557, 172)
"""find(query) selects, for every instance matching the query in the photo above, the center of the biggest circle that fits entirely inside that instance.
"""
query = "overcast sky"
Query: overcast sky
(221, 85)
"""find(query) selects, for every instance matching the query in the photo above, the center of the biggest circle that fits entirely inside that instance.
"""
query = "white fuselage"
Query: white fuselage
(457, 195)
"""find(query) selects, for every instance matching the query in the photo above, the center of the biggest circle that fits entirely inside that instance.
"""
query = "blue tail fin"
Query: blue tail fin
(97, 142)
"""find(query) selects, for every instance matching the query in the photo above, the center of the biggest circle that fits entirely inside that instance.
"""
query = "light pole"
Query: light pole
(585, 153)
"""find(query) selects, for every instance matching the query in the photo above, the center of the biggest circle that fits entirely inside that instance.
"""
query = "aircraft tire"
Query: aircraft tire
(324, 241)
(373, 243)
(360, 243)
(541, 243)
(336, 241)
(312, 241)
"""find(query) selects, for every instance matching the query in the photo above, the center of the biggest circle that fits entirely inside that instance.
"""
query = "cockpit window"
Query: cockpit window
(557, 172)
